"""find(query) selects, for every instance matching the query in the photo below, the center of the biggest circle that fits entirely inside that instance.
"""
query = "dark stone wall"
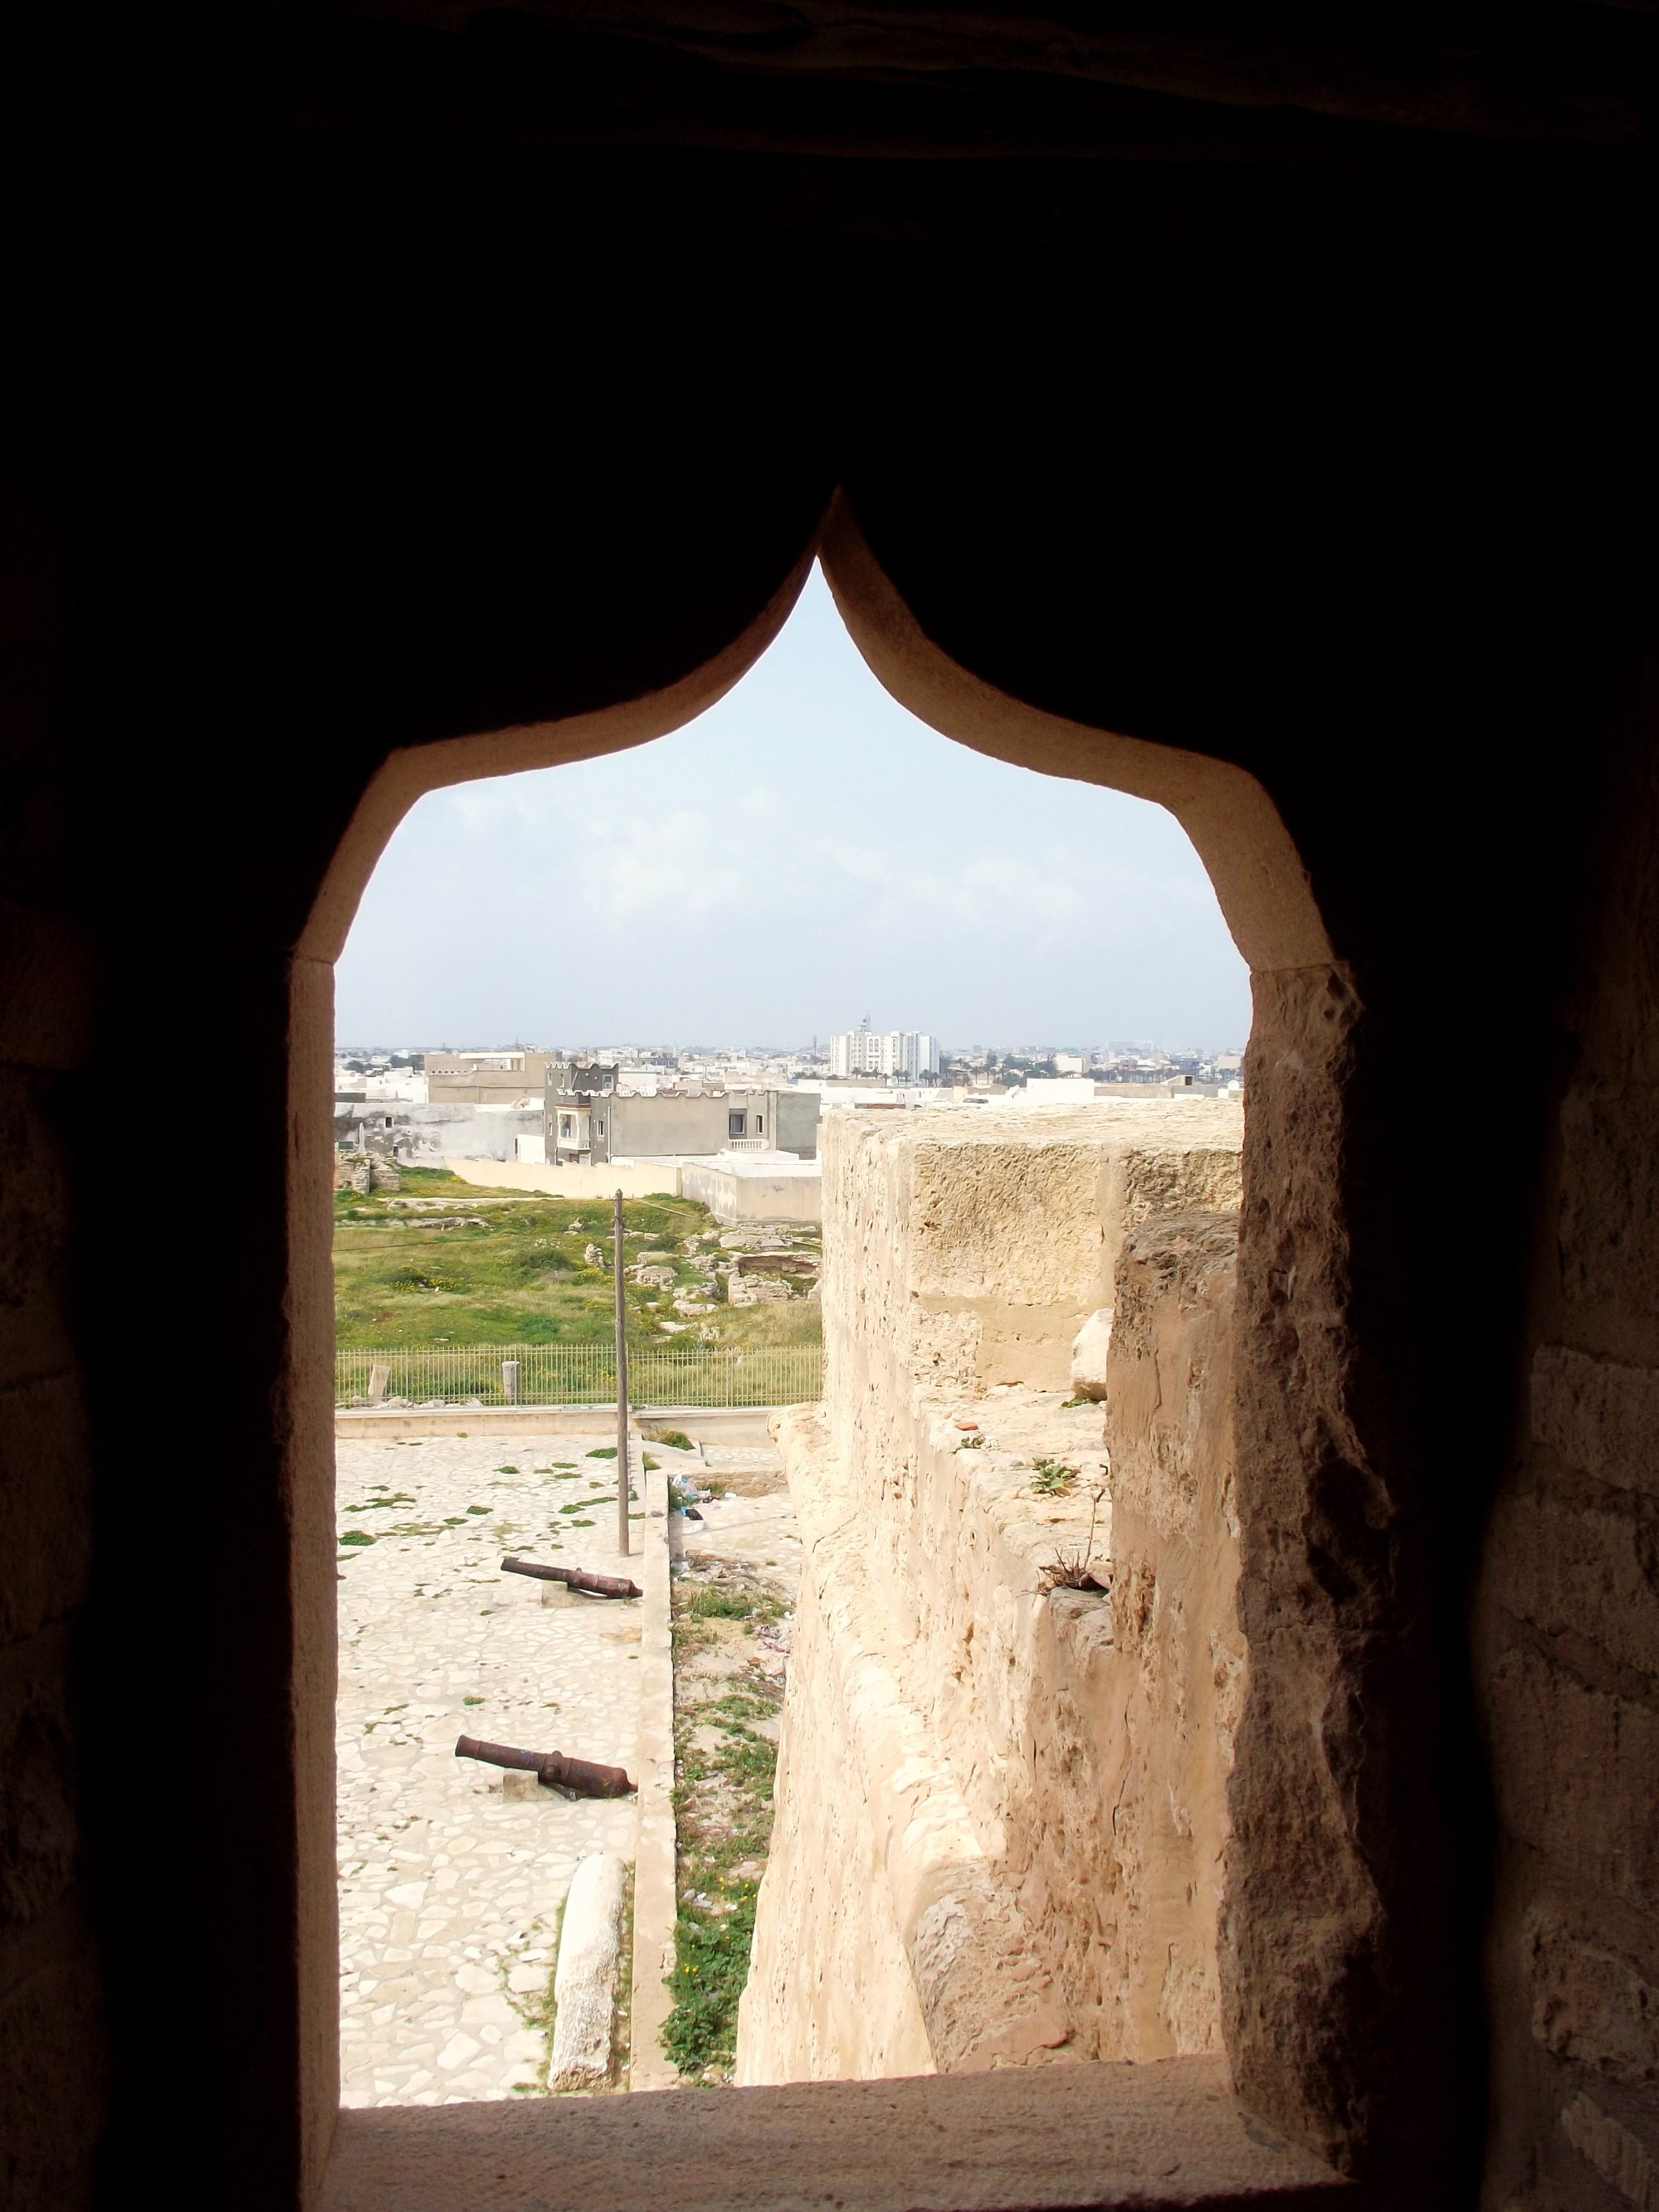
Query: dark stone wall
(385, 376)
(1567, 1640)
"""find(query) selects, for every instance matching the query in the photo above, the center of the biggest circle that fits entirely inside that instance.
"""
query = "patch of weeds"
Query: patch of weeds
(478, 1508)
(356, 1536)
(749, 1760)
(506, 1470)
(711, 1966)
(1071, 1404)
(414, 1279)
(675, 1440)
(576, 1505)
(582, 1524)
(742, 1705)
(651, 1465)
(568, 1473)
(973, 1443)
(1052, 1478)
(398, 1498)
(603, 1451)
(472, 1701)
(707, 1604)
(722, 1798)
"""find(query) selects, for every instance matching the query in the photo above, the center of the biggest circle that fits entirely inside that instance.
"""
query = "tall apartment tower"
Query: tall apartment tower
(894, 1056)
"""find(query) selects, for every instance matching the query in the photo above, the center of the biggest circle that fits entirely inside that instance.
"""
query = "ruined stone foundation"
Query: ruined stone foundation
(1001, 1824)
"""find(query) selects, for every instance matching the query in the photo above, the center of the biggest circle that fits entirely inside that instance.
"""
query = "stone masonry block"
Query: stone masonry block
(35, 1212)
(1617, 2155)
(1601, 1416)
(1575, 1769)
(37, 1777)
(1591, 2005)
(1569, 1568)
(1609, 1225)
(45, 1507)
(51, 2071)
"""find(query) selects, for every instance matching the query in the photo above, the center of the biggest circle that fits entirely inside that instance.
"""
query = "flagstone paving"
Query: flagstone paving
(449, 1890)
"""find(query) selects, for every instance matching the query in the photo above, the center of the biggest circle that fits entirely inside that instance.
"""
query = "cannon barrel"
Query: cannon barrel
(582, 1776)
(576, 1578)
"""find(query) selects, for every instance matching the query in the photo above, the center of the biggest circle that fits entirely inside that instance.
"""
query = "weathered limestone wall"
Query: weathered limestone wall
(1161, 1708)
(1002, 1819)
(838, 1997)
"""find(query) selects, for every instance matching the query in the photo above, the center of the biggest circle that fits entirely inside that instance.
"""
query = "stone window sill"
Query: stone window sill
(1168, 2133)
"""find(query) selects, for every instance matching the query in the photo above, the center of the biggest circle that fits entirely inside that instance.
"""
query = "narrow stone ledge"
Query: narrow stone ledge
(1020, 2140)
(740, 1426)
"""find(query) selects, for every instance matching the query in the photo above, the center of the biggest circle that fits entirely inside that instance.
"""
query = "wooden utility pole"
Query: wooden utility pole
(621, 1392)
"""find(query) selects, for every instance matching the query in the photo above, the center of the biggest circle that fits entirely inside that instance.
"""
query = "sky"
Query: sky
(804, 853)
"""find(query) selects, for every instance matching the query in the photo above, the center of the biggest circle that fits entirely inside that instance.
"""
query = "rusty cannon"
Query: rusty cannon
(552, 1768)
(575, 1578)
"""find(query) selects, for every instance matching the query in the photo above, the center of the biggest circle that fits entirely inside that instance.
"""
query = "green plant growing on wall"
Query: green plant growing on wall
(1052, 1478)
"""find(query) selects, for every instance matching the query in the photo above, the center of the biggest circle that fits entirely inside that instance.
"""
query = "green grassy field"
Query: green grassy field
(513, 1271)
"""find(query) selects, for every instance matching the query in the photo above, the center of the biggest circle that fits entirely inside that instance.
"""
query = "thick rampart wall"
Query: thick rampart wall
(1001, 1819)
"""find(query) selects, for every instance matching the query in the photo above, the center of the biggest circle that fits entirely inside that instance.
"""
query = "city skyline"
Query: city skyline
(813, 1045)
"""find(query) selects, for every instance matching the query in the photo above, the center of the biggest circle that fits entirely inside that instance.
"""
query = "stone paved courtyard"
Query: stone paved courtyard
(449, 1890)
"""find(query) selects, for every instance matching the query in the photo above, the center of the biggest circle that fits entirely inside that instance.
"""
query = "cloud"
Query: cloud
(679, 864)
(802, 852)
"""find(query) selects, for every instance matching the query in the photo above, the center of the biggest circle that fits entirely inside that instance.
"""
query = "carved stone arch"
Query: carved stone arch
(1259, 877)
(1317, 1969)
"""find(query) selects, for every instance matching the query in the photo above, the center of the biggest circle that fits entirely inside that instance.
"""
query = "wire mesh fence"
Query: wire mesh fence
(579, 1375)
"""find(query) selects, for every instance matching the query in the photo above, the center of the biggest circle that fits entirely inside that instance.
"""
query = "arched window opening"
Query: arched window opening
(973, 1594)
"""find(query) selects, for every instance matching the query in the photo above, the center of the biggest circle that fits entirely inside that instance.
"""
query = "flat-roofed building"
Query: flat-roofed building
(592, 1116)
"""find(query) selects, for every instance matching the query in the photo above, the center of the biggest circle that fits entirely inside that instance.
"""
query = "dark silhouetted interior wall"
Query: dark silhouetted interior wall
(386, 377)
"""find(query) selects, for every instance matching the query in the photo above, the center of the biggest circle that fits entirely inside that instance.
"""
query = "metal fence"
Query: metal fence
(579, 1375)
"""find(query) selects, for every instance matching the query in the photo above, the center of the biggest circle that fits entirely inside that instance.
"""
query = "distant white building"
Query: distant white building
(896, 1055)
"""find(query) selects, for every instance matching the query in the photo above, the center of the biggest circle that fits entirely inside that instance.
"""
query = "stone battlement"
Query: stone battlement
(1001, 1824)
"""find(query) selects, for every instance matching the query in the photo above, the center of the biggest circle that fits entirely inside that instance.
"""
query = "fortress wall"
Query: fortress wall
(1001, 1820)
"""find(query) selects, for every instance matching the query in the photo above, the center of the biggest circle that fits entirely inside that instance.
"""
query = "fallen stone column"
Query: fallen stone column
(585, 1983)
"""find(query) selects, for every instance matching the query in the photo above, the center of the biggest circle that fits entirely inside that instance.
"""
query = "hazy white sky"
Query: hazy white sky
(804, 853)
